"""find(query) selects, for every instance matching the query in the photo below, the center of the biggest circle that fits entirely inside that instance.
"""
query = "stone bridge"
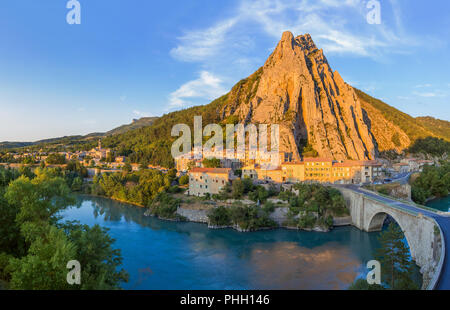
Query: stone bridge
(369, 211)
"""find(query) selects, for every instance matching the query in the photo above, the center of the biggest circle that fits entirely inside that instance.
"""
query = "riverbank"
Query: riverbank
(280, 216)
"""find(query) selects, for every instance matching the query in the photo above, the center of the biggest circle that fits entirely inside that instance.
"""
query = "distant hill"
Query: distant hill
(78, 139)
(12, 145)
(137, 123)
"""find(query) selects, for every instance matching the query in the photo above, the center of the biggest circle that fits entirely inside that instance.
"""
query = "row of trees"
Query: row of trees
(139, 187)
(430, 146)
(248, 218)
(35, 246)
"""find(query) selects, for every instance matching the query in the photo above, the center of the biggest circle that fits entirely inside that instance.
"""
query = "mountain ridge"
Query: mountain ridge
(135, 124)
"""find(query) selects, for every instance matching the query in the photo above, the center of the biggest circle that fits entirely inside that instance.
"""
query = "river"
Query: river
(441, 204)
(171, 255)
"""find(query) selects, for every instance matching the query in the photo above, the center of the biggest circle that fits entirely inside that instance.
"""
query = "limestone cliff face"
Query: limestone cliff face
(297, 89)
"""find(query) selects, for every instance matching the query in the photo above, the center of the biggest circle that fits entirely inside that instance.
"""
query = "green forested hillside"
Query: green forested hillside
(152, 144)
(440, 127)
(413, 127)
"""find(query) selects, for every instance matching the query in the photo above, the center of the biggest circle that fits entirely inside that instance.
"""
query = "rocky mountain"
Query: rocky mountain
(297, 89)
(318, 113)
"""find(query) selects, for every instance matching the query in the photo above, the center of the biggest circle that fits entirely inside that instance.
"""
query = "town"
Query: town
(210, 180)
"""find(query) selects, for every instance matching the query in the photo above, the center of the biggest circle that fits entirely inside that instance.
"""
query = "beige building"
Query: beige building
(293, 172)
(204, 181)
(371, 171)
(320, 170)
(258, 173)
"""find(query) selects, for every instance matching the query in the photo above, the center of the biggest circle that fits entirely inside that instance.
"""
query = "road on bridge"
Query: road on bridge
(443, 221)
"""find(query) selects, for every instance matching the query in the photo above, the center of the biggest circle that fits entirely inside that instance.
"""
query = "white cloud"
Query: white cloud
(337, 26)
(403, 98)
(199, 44)
(429, 94)
(206, 87)
(423, 85)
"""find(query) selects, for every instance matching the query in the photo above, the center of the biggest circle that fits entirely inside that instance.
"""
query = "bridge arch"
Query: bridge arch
(376, 221)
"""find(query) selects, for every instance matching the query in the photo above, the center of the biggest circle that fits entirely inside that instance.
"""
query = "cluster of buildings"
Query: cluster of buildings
(321, 170)
(411, 165)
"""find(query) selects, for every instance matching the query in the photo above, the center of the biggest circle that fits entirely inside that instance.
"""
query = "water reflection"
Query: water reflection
(288, 265)
(169, 255)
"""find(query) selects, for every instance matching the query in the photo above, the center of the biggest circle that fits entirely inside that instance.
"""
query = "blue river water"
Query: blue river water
(171, 255)
(441, 204)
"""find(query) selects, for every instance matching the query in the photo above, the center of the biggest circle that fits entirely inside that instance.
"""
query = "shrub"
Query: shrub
(219, 216)
(184, 180)
(165, 206)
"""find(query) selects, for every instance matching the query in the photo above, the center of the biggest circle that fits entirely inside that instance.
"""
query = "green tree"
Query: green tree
(35, 248)
(396, 267)
(184, 180)
(77, 184)
(56, 159)
(44, 268)
(361, 284)
(99, 260)
(127, 167)
(238, 188)
(219, 216)
(211, 163)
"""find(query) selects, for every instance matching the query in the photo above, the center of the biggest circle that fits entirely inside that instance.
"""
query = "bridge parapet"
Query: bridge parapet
(369, 213)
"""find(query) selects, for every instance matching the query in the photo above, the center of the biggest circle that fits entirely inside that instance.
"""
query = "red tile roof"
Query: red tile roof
(293, 163)
(318, 159)
(211, 170)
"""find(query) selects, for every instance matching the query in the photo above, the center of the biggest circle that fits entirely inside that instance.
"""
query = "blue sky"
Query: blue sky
(129, 59)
